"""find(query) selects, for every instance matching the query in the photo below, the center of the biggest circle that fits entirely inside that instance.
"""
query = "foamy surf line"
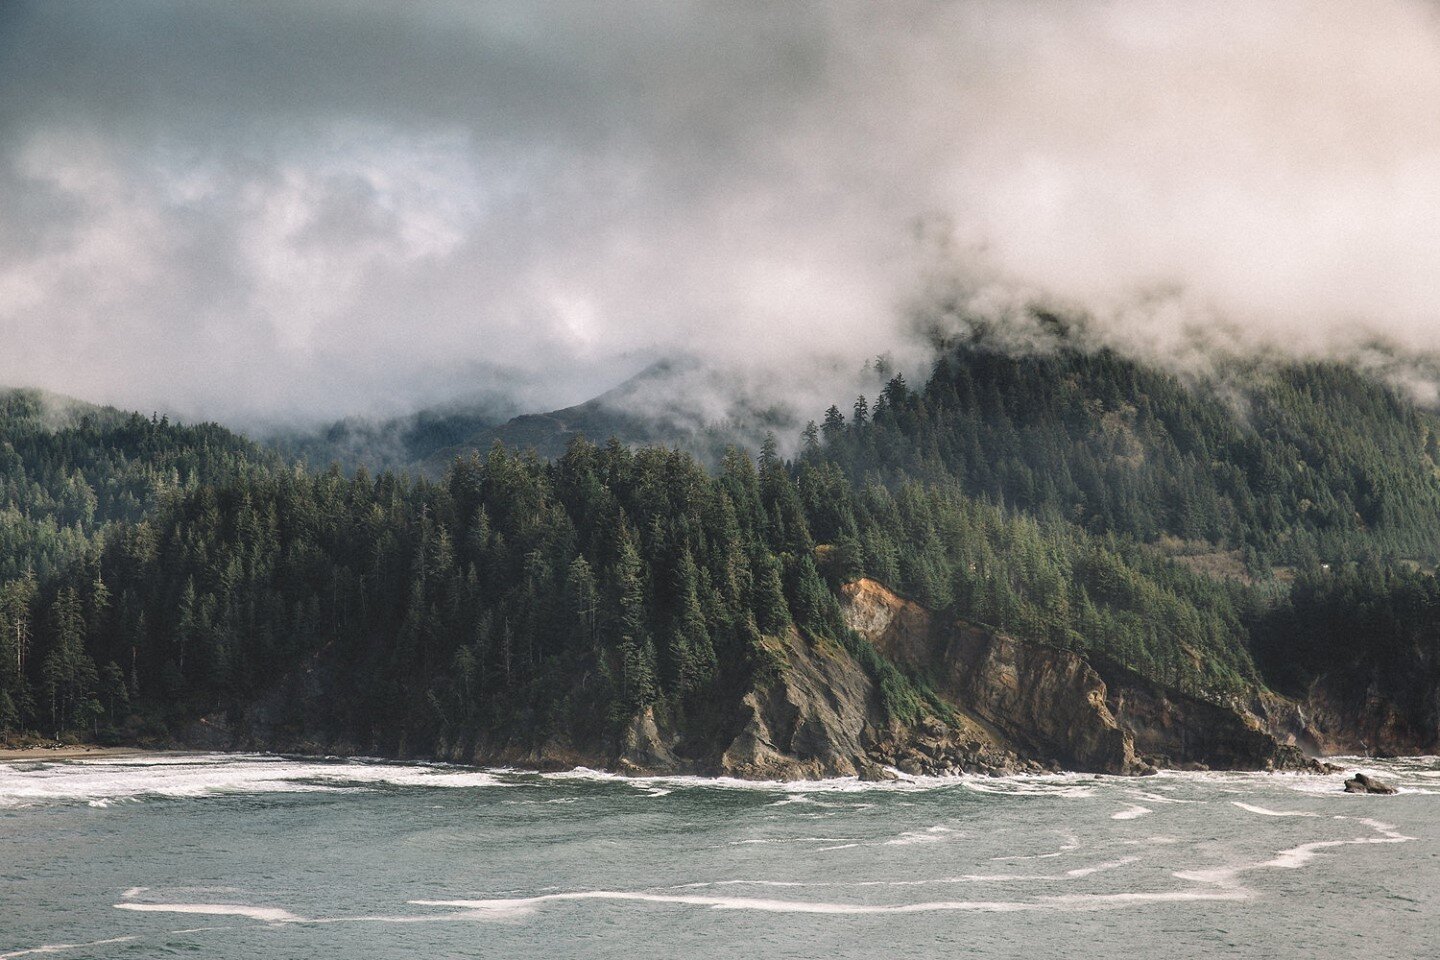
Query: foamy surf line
(64, 947)
(190, 775)
(1076, 874)
(519, 906)
(265, 914)
(100, 782)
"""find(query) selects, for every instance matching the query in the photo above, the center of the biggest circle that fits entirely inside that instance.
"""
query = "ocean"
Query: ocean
(257, 857)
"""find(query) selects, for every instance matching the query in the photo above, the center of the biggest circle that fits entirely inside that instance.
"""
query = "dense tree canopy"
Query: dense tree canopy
(153, 573)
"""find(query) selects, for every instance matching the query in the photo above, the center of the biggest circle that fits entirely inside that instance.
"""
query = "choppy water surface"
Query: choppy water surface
(266, 857)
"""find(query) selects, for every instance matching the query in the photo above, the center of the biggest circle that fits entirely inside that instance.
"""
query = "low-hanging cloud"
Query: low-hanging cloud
(274, 212)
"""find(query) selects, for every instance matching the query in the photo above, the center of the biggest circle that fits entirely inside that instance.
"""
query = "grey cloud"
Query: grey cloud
(273, 212)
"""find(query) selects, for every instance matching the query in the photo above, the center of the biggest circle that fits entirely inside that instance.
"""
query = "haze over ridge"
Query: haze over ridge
(279, 214)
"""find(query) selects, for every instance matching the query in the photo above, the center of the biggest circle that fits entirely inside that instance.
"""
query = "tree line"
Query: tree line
(155, 573)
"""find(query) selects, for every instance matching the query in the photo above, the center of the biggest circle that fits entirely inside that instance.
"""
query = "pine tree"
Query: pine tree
(68, 672)
(583, 601)
(861, 413)
(694, 654)
(810, 440)
(635, 648)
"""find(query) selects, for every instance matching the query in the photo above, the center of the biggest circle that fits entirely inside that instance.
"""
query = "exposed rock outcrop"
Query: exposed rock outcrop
(1035, 701)
(1057, 706)
(1175, 729)
(1353, 713)
(819, 717)
(1360, 783)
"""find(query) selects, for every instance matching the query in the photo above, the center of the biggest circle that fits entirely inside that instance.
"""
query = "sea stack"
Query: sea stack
(1360, 783)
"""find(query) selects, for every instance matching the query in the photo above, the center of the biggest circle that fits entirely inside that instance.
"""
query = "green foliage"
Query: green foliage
(1372, 629)
(518, 596)
(1292, 461)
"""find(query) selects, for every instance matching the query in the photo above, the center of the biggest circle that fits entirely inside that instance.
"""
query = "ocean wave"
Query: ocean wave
(100, 783)
(46, 948)
(1075, 874)
(1133, 880)
(506, 908)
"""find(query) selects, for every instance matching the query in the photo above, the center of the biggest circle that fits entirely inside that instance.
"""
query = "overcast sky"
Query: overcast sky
(283, 212)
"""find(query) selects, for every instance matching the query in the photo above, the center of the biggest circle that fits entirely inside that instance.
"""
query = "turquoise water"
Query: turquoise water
(267, 857)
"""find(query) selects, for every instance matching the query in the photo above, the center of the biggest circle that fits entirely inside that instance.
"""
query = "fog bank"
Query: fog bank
(273, 213)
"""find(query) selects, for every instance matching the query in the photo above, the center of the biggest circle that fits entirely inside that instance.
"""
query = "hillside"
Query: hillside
(1289, 462)
(632, 608)
(70, 469)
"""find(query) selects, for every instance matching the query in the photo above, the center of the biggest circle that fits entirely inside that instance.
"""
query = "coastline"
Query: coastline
(76, 751)
(53, 751)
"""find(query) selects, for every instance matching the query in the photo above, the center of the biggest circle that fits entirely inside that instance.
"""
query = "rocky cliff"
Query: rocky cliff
(997, 705)
(1057, 707)
(1031, 700)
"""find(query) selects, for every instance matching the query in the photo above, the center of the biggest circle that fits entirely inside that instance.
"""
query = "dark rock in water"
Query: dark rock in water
(1360, 783)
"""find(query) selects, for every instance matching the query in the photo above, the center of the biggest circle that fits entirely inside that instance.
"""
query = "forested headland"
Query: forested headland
(1271, 539)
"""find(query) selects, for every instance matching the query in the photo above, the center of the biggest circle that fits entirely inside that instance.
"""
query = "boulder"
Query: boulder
(1360, 783)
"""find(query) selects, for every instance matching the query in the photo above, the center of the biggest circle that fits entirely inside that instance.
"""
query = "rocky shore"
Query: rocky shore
(1007, 706)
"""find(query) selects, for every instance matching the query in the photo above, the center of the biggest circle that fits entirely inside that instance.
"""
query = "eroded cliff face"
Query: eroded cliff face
(1175, 729)
(1055, 705)
(820, 714)
(1037, 702)
(819, 717)
(1354, 713)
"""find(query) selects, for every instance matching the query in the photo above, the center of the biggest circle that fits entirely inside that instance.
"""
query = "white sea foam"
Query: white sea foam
(799, 791)
(1067, 786)
(1267, 812)
(1131, 813)
(1011, 888)
(102, 782)
(1157, 798)
(64, 947)
(266, 914)
(1221, 883)
(1076, 874)
(1295, 857)
(928, 835)
(487, 909)
(519, 906)
(162, 759)
(763, 840)
(1070, 845)
(107, 779)
(936, 834)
